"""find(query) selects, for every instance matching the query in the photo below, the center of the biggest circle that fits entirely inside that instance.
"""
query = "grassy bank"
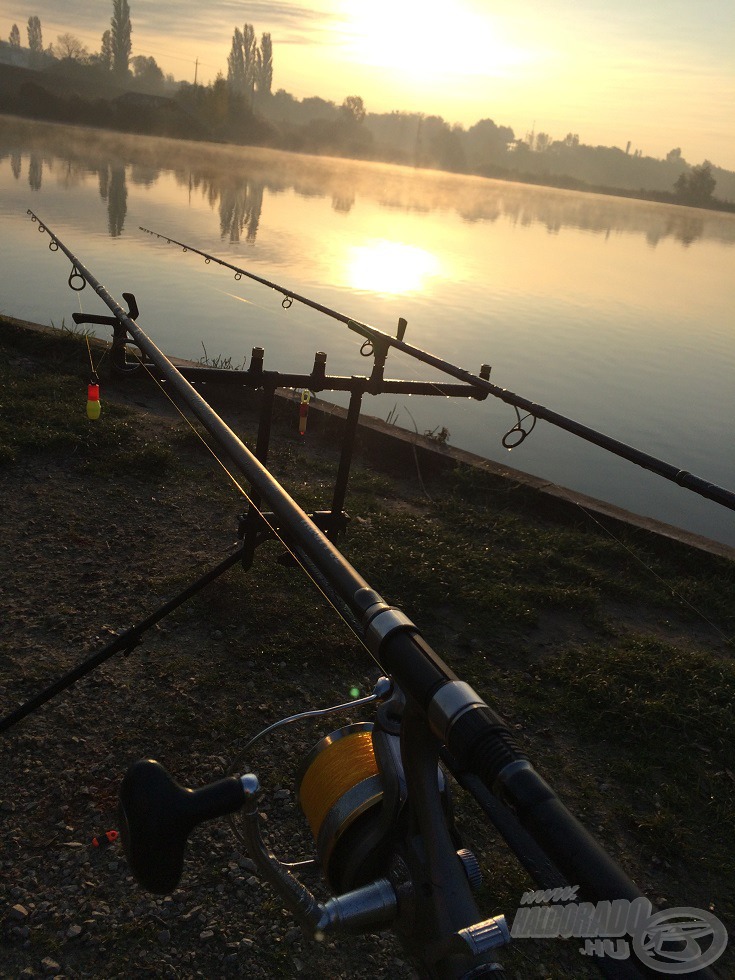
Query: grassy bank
(608, 650)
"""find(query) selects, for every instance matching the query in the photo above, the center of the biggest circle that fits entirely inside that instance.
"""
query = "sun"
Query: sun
(426, 41)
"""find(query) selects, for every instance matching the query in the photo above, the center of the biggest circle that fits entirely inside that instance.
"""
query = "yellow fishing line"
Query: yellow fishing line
(338, 767)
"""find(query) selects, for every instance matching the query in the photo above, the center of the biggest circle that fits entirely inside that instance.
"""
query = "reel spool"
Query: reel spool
(340, 792)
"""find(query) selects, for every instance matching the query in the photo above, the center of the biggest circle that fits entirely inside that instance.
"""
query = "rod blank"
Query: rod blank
(675, 474)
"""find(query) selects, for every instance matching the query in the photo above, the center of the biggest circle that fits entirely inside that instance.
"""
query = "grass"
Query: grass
(43, 408)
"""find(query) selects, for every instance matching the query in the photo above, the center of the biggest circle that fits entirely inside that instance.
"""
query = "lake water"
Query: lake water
(620, 314)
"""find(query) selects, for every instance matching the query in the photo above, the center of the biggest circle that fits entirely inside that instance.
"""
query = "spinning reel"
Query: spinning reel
(379, 808)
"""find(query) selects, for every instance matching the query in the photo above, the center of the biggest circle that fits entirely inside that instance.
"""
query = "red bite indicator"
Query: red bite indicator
(93, 401)
(104, 840)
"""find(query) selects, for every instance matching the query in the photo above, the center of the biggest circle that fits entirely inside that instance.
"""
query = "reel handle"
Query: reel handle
(157, 815)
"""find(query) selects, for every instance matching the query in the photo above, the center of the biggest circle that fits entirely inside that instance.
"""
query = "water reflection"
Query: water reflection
(389, 267)
(233, 180)
(35, 172)
(343, 204)
(114, 190)
(240, 208)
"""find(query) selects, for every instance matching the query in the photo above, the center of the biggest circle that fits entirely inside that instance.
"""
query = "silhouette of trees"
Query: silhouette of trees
(353, 109)
(225, 110)
(236, 64)
(250, 67)
(105, 57)
(249, 57)
(35, 41)
(120, 31)
(441, 145)
(147, 73)
(697, 186)
(264, 79)
(69, 46)
(486, 143)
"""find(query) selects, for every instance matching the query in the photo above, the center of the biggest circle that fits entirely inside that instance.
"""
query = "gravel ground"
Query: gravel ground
(90, 546)
(98, 532)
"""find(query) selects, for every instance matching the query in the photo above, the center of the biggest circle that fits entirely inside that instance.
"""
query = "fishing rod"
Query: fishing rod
(405, 874)
(379, 339)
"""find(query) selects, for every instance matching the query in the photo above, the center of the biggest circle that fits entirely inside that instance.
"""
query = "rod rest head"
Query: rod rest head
(157, 815)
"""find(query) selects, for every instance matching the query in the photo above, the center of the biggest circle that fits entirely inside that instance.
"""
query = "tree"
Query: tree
(674, 156)
(217, 101)
(353, 108)
(69, 46)
(236, 64)
(249, 57)
(105, 55)
(147, 72)
(14, 38)
(264, 80)
(120, 31)
(487, 143)
(697, 186)
(35, 41)
(243, 62)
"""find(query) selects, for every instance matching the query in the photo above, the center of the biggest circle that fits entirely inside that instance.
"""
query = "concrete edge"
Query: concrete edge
(443, 456)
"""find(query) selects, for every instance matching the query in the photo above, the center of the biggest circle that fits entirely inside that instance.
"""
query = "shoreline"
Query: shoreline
(379, 437)
(445, 456)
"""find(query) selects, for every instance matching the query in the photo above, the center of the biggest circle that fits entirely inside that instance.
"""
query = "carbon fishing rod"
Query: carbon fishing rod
(439, 706)
(675, 474)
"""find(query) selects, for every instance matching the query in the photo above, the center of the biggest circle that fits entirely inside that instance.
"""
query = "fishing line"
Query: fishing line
(273, 529)
(524, 433)
(77, 276)
(669, 471)
(94, 369)
(513, 438)
(510, 443)
(289, 296)
(729, 640)
(681, 477)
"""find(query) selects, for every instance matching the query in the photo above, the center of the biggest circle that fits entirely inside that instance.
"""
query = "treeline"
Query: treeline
(113, 90)
(491, 150)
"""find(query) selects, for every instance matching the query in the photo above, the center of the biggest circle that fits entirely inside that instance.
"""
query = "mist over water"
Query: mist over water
(615, 312)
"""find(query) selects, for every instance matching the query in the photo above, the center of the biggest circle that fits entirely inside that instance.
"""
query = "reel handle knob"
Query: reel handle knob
(157, 815)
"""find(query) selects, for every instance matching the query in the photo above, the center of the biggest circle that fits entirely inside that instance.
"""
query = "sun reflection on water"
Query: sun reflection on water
(383, 266)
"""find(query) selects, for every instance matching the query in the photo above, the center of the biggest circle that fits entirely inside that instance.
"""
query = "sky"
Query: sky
(657, 73)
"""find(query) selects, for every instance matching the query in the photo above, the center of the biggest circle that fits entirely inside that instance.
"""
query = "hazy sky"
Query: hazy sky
(660, 73)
